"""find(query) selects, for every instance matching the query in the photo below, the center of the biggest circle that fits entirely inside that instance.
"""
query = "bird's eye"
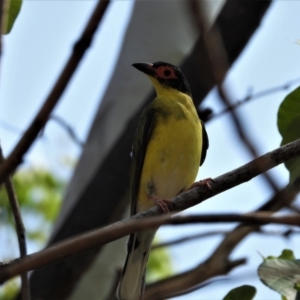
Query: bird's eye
(167, 73)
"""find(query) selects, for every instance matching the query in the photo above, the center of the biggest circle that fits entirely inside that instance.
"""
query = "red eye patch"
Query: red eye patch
(165, 72)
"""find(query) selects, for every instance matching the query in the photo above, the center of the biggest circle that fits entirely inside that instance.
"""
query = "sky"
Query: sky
(35, 52)
(270, 59)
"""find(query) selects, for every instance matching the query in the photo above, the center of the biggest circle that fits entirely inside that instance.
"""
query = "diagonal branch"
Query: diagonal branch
(117, 230)
(218, 263)
(219, 66)
(79, 49)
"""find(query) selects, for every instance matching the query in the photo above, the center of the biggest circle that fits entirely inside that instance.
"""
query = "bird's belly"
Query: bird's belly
(171, 162)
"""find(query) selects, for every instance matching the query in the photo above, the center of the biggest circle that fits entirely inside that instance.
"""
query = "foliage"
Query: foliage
(288, 122)
(10, 290)
(281, 274)
(39, 195)
(159, 264)
(11, 9)
(244, 292)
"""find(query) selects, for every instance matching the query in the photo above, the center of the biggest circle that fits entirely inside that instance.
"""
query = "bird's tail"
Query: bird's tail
(132, 283)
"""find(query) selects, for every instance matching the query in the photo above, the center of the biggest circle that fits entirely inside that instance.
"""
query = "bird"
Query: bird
(169, 145)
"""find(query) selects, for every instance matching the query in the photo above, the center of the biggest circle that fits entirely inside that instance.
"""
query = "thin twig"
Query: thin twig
(20, 229)
(79, 49)
(92, 239)
(219, 67)
(10, 127)
(230, 265)
(285, 234)
(188, 239)
(249, 97)
(69, 129)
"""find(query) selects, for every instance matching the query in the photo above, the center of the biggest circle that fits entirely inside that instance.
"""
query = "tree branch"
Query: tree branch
(120, 229)
(117, 230)
(188, 238)
(254, 96)
(285, 234)
(20, 229)
(218, 62)
(79, 49)
(229, 266)
(68, 128)
(217, 263)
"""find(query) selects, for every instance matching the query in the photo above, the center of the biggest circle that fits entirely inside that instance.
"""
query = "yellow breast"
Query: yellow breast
(173, 153)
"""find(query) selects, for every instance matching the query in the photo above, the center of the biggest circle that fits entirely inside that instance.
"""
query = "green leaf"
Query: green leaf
(281, 275)
(288, 122)
(10, 290)
(11, 10)
(297, 286)
(287, 254)
(159, 264)
(37, 235)
(244, 292)
(39, 195)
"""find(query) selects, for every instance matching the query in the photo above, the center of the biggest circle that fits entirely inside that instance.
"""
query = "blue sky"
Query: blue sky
(35, 52)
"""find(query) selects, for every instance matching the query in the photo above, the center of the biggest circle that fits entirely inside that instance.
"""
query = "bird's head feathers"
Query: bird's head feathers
(165, 75)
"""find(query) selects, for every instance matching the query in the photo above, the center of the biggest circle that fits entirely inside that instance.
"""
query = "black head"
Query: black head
(168, 75)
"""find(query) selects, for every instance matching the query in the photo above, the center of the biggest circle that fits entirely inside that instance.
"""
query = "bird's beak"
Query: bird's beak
(146, 68)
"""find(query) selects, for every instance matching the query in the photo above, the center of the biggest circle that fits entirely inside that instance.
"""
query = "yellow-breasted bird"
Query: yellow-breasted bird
(169, 145)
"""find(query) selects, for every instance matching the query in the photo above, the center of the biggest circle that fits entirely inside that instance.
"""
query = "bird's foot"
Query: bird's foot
(208, 182)
(163, 204)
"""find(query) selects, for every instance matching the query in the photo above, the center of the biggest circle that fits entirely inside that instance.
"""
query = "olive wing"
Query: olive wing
(139, 148)
(205, 144)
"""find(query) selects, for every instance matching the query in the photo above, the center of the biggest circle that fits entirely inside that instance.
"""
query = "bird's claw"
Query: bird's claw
(208, 182)
(163, 204)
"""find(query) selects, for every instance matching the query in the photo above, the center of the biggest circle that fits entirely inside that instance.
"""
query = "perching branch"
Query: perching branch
(117, 230)
(20, 229)
(217, 263)
(79, 49)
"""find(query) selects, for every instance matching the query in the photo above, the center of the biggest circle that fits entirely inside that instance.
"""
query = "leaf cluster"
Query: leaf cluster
(39, 194)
